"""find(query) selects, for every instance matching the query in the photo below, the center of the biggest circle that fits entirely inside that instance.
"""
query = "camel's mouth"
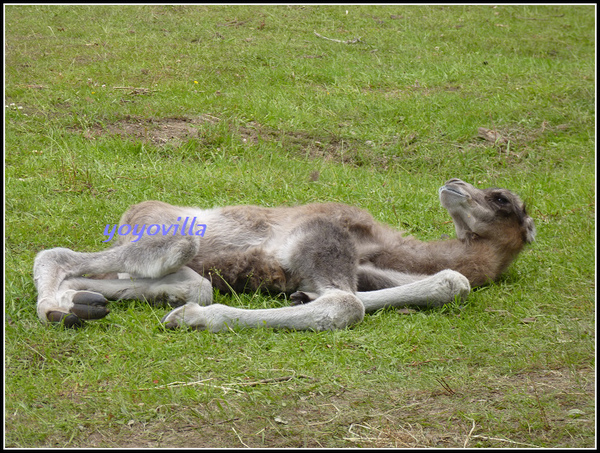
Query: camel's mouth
(452, 190)
(453, 198)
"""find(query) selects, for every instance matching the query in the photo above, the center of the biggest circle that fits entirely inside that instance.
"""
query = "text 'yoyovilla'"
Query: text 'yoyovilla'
(193, 229)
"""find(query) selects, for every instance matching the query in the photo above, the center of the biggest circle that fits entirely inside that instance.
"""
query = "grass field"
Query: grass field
(374, 106)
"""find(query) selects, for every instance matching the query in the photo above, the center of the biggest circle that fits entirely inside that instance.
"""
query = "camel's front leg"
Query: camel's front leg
(72, 302)
(433, 291)
(335, 309)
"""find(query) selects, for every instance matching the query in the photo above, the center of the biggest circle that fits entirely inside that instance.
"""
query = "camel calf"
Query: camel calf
(334, 261)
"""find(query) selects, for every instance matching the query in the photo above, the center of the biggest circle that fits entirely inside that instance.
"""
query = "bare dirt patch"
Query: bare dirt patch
(309, 145)
(157, 131)
(210, 130)
(562, 414)
(512, 143)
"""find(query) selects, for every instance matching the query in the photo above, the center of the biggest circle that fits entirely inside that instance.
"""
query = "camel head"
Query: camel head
(487, 213)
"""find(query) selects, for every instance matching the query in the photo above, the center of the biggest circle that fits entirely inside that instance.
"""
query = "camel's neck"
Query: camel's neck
(480, 261)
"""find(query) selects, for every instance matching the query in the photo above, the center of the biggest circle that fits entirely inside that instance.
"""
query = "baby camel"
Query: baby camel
(335, 261)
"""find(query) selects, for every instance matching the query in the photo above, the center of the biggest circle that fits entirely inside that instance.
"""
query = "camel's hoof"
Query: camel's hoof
(299, 298)
(89, 305)
(171, 325)
(66, 319)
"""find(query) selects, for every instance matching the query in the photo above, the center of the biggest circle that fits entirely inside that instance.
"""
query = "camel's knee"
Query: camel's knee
(337, 310)
(182, 287)
(50, 262)
(52, 255)
(158, 256)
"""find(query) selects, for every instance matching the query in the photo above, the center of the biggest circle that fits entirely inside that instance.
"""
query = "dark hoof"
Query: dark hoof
(171, 325)
(299, 298)
(66, 319)
(89, 305)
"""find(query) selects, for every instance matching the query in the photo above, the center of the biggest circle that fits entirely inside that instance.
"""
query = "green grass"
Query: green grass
(106, 106)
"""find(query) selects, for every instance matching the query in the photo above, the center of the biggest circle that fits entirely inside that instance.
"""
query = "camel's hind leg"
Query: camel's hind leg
(156, 257)
(174, 289)
(322, 256)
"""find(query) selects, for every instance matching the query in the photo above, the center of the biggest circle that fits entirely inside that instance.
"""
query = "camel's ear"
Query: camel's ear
(529, 229)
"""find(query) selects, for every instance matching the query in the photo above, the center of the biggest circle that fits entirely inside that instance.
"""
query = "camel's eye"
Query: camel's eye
(500, 199)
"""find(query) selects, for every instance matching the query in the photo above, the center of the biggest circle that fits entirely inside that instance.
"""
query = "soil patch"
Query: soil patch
(152, 130)
(209, 131)
(482, 415)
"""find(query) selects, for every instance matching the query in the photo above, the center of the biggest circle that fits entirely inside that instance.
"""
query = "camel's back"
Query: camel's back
(248, 225)
(243, 226)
